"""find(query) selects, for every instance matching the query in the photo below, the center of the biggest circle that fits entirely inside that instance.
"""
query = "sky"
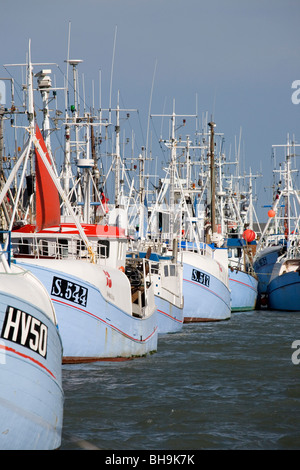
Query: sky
(234, 60)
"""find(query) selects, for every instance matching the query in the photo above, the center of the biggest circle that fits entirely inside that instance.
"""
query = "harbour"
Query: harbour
(149, 255)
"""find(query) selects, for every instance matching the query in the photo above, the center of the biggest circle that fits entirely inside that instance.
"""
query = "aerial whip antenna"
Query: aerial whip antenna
(111, 75)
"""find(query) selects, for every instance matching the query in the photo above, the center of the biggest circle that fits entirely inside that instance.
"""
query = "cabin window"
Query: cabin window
(234, 252)
(63, 248)
(103, 249)
(44, 248)
(172, 269)
(24, 247)
(166, 271)
(80, 247)
(154, 268)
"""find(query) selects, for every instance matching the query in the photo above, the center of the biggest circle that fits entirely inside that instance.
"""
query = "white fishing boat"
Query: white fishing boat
(167, 276)
(101, 315)
(165, 268)
(235, 216)
(31, 394)
(242, 278)
(205, 270)
(206, 285)
(82, 266)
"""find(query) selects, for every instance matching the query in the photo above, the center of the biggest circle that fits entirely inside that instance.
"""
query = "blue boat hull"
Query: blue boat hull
(284, 292)
(263, 266)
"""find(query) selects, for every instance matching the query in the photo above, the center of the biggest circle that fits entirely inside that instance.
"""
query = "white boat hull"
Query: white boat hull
(205, 289)
(94, 311)
(170, 316)
(31, 395)
(243, 288)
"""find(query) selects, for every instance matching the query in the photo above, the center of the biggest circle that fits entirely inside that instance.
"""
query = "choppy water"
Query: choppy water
(226, 385)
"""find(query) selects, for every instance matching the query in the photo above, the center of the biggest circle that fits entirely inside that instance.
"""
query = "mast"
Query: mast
(44, 85)
(212, 125)
(172, 177)
(117, 157)
(174, 180)
(290, 221)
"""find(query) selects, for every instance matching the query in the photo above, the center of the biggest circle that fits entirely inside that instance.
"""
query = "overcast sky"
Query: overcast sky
(238, 57)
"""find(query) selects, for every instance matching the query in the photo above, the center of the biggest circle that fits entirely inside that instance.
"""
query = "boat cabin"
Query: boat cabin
(108, 243)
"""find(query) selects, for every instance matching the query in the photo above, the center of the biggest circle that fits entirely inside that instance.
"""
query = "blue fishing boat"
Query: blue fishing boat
(31, 394)
(284, 287)
(263, 266)
(278, 260)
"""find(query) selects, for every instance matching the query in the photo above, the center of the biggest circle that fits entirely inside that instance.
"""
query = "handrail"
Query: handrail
(8, 246)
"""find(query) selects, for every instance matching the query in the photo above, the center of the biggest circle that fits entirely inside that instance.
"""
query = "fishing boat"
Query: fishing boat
(206, 285)
(241, 247)
(263, 266)
(166, 274)
(242, 279)
(31, 394)
(279, 256)
(101, 315)
(235, 214)
(271, 246)
(284, 286)
(101, 312)
(205, 270)
(165, 267)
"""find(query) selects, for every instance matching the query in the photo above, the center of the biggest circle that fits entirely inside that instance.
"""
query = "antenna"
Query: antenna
(111, 74)
(149, 113)
(68, 57)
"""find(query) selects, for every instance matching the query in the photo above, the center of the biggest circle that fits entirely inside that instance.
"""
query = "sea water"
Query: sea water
(226, 385)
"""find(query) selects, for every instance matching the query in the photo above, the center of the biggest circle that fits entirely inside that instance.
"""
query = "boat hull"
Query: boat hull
(284, 292)
(31, 395)
(263, 266)
(169, 316)
(100, 324)
(205, 289)
(243, 288)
